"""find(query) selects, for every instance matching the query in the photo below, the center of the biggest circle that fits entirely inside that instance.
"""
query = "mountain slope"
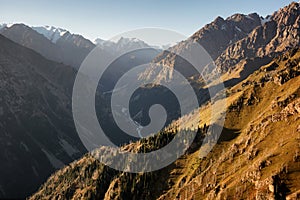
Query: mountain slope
(262, 160)
(251, 160)
(37, 130)
(36, 114)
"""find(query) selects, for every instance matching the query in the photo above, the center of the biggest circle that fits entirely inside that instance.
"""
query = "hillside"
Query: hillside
(257, 155)
(37, 131)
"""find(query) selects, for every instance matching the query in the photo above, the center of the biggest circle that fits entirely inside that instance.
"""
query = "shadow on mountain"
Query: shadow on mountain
(228, 134)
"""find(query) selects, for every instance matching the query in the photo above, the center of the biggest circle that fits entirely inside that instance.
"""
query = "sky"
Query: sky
(107, 18)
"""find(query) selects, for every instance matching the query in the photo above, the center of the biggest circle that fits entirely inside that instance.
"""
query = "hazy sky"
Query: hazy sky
(106, 18)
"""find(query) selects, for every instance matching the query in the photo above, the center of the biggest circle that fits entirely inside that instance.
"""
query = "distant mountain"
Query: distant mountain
(50, 32)
(122, 45)
(53, 43)
(60, 45)
(36, 125)
(104, 43)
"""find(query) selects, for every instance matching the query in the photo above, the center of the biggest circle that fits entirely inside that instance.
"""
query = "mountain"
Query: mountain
(233, 44)
(257, 154)
(50, 32)
(60, 45)
(130, 41)
(122, 45)
(279, 33)
(52, 43)
(38, 135)
(214, 37)
(256, 157)
(36, 122)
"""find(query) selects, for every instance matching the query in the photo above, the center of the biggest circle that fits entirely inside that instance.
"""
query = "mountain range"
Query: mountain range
(234, 42)
(256, 157)
(38, 70)
(60, 45)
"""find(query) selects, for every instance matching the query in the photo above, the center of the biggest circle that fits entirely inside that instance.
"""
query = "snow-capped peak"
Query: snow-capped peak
(130, 43)
(121, 44)
(125, 41)
(50, 32)
(104, 43)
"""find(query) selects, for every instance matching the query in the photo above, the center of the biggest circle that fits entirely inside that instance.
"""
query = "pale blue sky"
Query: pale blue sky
(106, 18)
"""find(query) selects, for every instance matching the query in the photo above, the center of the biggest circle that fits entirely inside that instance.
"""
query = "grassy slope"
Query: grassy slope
(257, 156)
(267, 146)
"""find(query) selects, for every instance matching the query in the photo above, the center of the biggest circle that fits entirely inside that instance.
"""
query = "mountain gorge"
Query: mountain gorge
(37, 128)
(257, 154)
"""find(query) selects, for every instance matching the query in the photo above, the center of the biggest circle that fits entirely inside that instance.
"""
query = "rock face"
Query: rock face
(214, 38)
(36, 125)
(280, 33)
(235, 40)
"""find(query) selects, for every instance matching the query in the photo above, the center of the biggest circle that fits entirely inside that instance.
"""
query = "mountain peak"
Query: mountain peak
(219, 20)
(241, 17)
(292, 8)
(50, 32)
(124, 40)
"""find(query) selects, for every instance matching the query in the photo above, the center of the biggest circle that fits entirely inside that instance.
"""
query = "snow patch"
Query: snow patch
(248, 17)
(237, 28)
(119, 44)
(128, 42)
(6, 25)
(104, 43)
(265, 20)
(50, 32)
